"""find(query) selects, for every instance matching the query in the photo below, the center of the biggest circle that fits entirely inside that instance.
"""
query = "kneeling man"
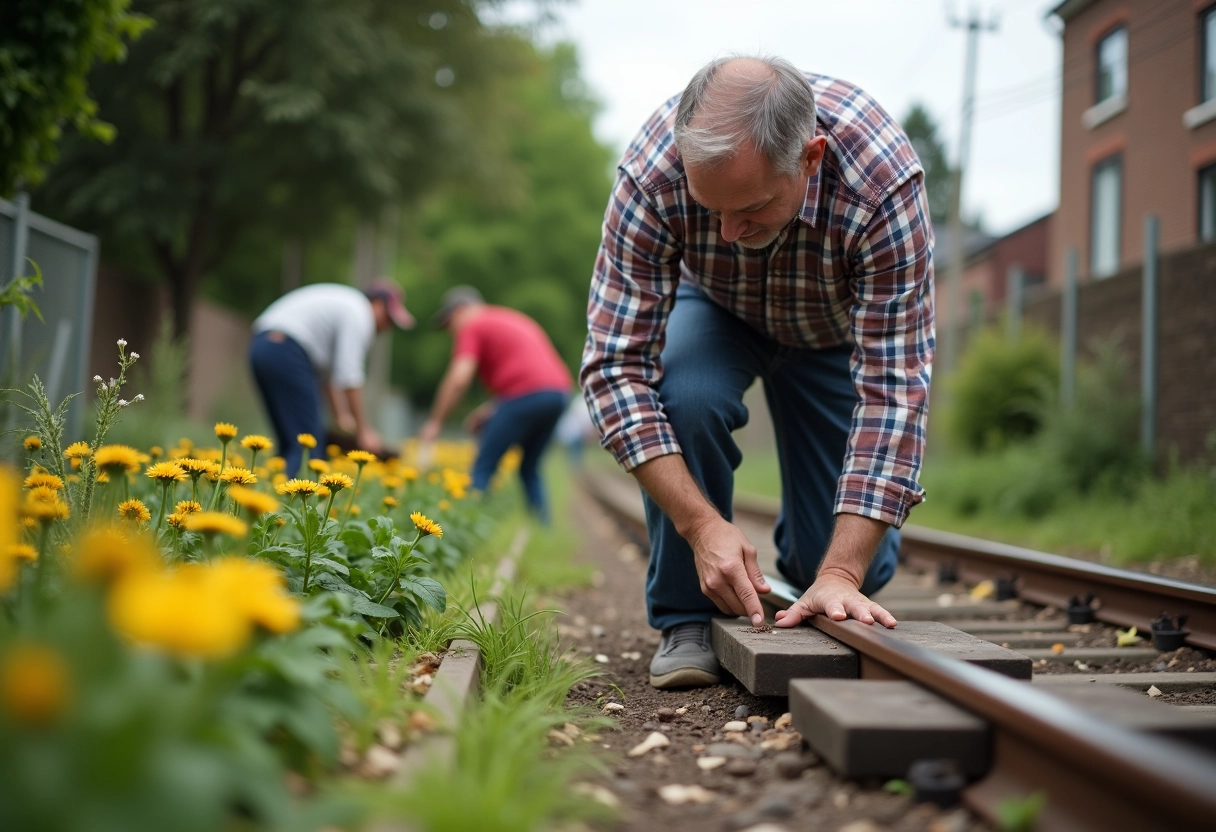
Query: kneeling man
(767, 224)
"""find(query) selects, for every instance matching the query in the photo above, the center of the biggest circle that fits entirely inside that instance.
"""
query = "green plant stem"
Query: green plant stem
(307, 547)
(353, 491)
(164, 498)
(223, 459)
(388, 590)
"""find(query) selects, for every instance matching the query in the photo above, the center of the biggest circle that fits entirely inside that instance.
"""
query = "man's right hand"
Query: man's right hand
(368, 440)
(727, 568)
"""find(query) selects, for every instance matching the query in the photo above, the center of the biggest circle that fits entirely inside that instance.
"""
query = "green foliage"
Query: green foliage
(999, 393)
(47, 48)
(922, 131)
(17, 293)
(530, 240)
(1020, 814)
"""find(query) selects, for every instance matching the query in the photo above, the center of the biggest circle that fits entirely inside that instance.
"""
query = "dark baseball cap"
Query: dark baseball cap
(453, 299)
(394, 301)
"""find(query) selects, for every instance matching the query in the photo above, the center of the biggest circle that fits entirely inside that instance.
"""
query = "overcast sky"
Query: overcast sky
(636, 53)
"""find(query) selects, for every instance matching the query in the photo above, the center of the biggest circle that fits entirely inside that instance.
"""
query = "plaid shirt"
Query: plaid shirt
(855, 266)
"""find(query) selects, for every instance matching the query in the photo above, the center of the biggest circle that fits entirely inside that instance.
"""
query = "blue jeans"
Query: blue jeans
(527, 421)
(710, 358)
(291, 392)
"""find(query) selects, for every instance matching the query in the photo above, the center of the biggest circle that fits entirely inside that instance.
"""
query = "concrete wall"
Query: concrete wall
(1186, 371)
(1161, 157)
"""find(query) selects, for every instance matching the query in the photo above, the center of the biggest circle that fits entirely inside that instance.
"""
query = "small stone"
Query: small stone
(706, 709)
(741, 768)
(665, 714)
(655, 740)
(841, 800)
(681, 711)
(860, 826)
(1154, 692)
(571, 730)
(742, 712)
(422, 684)
(784, 721)
(764, 827)
(580, 621)
(557, 737)
(710, 763)
(757, 718)
(379, 762)
(631, 656)
(650, 726)
(601, 658)
(699, 748)
(733, 750)
(775, 806)
(598, 631)
(759, 726)
(421, 722)
(1161, 667)
(609, 707)
(791, 764)
(735, 725)
(389, 734)
(783, 742)
(599, 794)
(1190, 670)
(678, 795)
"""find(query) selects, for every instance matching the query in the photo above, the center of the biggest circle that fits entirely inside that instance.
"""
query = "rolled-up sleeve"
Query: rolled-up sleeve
(892, 325)
(350, 351)
(632, 291)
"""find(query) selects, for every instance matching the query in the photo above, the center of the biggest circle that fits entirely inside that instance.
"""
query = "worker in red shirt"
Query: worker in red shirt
(528, 380)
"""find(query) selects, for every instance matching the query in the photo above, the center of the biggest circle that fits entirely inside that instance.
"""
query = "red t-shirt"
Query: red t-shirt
(514, 355)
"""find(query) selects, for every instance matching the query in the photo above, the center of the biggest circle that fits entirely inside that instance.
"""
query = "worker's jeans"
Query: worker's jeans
(527, 421)
(290, 390)
(709, 360)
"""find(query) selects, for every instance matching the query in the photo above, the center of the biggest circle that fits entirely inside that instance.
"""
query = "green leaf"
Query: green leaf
(331, 564)
(370, 608)
(1019, 814)
(897, 787)
(427, 590)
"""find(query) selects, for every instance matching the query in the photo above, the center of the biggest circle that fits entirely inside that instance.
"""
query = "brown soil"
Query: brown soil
(608, 621)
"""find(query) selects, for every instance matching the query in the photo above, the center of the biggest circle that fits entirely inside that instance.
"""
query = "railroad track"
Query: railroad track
(1068, 743)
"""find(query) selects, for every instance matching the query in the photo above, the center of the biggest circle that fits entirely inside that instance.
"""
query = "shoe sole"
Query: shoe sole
(684, 677)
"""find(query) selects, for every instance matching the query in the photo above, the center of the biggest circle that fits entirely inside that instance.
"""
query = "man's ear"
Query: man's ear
(812, 154)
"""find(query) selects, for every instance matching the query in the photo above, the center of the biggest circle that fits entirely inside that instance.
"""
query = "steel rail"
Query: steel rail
(1093, 774)
(1124, 597)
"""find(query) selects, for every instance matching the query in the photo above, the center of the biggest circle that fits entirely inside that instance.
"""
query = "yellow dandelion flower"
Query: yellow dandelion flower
(433, 477)
(257, 589)
(184, 507)
(215, 522)
(77, 451)
(186, 443)
(333, 451)
(323, 491)
(337, 482)
(34, 683)
(182, 611)
(444, 505)
(276, 464)
(391, 482)
(166, 473)
(43, 480)
(45, 511)
(176, 520)
(319, 465)
(32, 443)
(307, 440)
(134, 511)
(409, 473)
(29, 523)
(42, 494)
(197, 467)
(238, 476)
(390, 501)
(236, 460)
(254, 502)
(115, 459)
(361, 458)
(298, 488)
(355, 511)
(106, 553)
(256, 442)
(225, 431)
(278, 479)
(22, 551)
(426, 525)
(156, 451)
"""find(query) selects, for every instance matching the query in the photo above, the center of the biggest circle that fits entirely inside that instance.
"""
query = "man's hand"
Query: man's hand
(369, 440)
(838, 598)
(474, 422)
(727, 568)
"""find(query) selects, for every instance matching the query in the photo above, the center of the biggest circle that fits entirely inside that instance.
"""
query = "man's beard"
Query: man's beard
(761, 240)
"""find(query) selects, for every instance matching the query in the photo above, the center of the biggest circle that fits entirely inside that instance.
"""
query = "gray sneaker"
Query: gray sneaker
(684, 658)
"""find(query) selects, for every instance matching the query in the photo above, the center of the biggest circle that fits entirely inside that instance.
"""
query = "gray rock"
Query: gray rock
(650, 726)
(791, 764)
(732, 751)
(741, 768)
(706, 708)
(665, 714)
(742, 712)
(775, 806)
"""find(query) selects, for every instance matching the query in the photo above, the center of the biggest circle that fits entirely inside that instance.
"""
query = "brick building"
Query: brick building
(986, 270)
(1138, 131)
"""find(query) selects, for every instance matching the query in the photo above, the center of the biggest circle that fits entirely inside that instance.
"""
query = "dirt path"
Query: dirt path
(767, 782)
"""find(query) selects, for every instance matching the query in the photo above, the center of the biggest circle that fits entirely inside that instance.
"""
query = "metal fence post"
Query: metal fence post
(1148, 341)
(21, 236)
(1068, 328)
(1015, 282)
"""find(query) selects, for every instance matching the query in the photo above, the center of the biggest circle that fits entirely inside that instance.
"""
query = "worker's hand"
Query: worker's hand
(727, 568)
(474, 422)
(368, 440)
(346, 424)
(838, 598)
(429, 432)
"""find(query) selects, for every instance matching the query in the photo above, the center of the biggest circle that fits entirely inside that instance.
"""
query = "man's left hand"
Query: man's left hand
(837, 598)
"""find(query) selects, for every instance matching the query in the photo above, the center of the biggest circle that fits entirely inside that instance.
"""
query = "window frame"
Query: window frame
(1109, 33)
(1205, 14)
(1209, 168)
(1115, 160)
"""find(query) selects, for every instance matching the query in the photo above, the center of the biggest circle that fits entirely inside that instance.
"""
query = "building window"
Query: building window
(1207, 84)
(1207, 203)
(1112, 65)
(1105, 216)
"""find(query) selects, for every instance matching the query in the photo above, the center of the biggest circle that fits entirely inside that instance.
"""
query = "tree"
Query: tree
(922, 131)
(47, 48)
(530, 241)
(259, 118)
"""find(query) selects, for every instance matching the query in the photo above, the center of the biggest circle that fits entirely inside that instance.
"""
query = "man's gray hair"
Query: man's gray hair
(773, 109)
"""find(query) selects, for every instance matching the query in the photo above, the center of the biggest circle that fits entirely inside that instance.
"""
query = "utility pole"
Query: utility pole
(950, 334)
